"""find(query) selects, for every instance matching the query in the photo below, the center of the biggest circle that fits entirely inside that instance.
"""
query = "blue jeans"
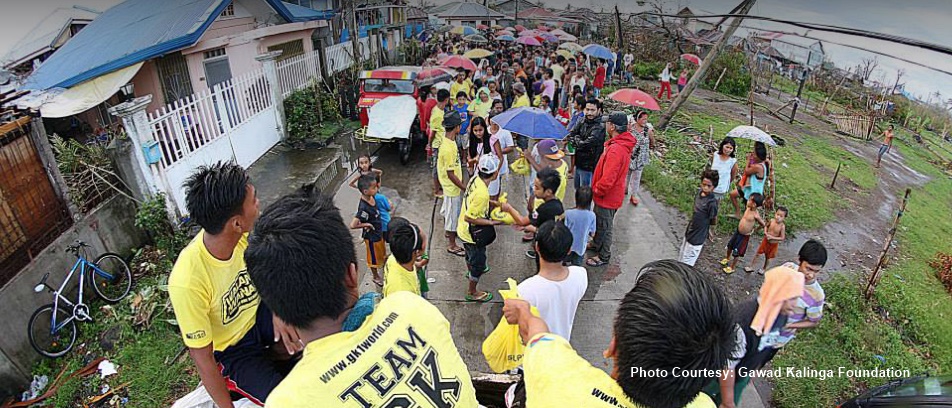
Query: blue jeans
(583, 178)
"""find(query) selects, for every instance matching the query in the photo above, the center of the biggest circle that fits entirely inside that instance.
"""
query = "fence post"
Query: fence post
(221, 109)
(277, 96)
(42, 144)
(136, 123)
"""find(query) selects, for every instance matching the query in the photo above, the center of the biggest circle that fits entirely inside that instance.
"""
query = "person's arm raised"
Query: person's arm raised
(517, 311)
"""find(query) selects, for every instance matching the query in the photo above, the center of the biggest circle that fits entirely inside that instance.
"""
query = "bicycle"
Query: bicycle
(52, 328)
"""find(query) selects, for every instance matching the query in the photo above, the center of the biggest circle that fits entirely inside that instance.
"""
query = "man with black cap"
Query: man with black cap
(450, 173)
(608, 184)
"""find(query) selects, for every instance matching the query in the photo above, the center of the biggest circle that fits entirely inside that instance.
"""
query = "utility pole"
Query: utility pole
(619, 39)
(354, 33)
(796, 101)
(695, 80)
(516, 17)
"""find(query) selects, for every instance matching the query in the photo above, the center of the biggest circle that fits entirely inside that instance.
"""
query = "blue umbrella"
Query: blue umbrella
(506, 38)
(597, 51)
(531, 122)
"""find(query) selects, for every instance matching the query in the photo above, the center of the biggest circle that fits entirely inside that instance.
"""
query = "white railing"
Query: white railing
(186, 125)
(295, 73)
(340, 56)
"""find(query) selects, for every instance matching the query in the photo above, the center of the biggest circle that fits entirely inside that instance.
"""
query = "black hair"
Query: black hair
(675, 316)
(758, 199)
(214, 194)
(580, 100)
(594, 101)
(639, 114)
(813, 252)
(474, 141)
(554, 240)
(298, 257)
(550, 179)
(727, 141)
(537, 76)
(583, 197)
(549, 71)
(442, 95)
(560, 59)
(495, 101)
(460, 93)
(405, 238)
(786, 212)
(712, 175)
(760, 149)
(365, 182)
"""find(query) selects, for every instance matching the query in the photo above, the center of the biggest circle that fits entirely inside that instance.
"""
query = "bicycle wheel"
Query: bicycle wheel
(42, 338)
(110, 277)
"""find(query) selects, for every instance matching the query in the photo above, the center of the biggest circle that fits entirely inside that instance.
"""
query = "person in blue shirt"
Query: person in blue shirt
(462, 106)
(384, 208)
(581, 221)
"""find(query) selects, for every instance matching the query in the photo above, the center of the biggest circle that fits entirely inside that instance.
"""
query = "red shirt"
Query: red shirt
(424, 110)
(599, 77)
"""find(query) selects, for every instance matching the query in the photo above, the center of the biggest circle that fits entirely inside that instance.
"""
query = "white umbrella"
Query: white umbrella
(752, 133)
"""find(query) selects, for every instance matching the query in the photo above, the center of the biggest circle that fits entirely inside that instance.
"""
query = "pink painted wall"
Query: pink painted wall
(147, 82)
(231, 26)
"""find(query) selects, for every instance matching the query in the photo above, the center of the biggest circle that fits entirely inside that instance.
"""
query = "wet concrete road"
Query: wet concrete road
(638, 239)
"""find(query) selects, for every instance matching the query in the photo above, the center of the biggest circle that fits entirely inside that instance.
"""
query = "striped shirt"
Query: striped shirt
(809, 308)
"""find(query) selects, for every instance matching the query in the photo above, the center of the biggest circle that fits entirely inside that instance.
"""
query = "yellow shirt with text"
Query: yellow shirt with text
(457, 87)
(556, 376)
(396, 278)
(402, 356)
(214, 300)
(448, 159)
(475, 205)
(436, 123)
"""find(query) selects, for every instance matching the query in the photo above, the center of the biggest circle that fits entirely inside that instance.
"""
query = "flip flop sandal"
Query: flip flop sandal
(528, 237)
(457, 252)
(728, 270)
(748, 269)
(592, 262)
(486, 296)
(378, 282)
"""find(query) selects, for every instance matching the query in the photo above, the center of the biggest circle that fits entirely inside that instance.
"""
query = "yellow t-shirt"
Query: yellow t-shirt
(396, 278)
(475, 205)
(436, 123)
(214, 300)
(403, 355)
(448, 159)
(556, 376)
(457, 87)
(563, 181)
(521, 101)
(480, 109)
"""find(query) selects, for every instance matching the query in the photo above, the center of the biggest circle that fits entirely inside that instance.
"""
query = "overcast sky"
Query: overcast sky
(925, 20)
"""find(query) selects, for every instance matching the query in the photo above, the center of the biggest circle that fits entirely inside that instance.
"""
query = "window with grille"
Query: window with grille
(229, 11)
(289, 49)
(174, 76)
(216, 53)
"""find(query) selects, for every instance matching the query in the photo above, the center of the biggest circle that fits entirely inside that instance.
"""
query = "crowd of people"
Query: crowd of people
(270, 307)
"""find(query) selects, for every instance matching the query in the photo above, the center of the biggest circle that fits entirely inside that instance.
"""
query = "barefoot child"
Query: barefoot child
(774, 234)
(737, 247)
(702, 219)
(368, 219)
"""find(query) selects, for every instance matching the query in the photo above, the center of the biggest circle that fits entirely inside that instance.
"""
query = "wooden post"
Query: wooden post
(835, 175)
(878, 270)
(723, 71)
(823, 109)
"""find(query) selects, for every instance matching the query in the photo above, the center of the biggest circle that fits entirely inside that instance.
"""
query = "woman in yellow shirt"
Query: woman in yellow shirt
(407, 244)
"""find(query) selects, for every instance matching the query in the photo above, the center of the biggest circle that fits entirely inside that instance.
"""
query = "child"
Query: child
(384, 208)
(703, 217)
(462, 106)
(366, 166)
(774, 234)
(809, 309)
(581, 221)
(737, 247)
(544, 188)
(368, 219)
(407, 245)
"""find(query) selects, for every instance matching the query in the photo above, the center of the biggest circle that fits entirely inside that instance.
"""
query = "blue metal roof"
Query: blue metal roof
(138, 30)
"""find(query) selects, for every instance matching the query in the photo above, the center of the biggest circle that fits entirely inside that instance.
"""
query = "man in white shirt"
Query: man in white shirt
(556, 290)
(628, 60)
(507, 145)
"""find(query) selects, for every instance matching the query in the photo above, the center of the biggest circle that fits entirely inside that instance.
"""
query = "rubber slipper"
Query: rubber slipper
(485, 297)
(748, 269)
(378, 282)
(457, 252)
(595, 263)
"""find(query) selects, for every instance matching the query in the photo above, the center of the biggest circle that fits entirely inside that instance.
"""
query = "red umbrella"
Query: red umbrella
(520, 28)
(528, 41)
(691, 58)
(482, 27)
(458, 61)
(635, 98)
(527, 33)
(434, 75)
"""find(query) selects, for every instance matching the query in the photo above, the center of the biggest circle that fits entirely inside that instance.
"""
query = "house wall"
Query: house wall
(147, 82)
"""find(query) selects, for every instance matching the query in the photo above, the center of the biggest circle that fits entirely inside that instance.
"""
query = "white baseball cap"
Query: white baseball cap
(488, 163)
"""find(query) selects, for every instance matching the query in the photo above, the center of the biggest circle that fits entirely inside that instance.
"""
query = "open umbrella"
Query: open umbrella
(445, 29)
(565, 53)
(497, 27)
(542, 27)
(691, 58)
(558, 32)
(463, 30)
(568, 37)
(503, 32)
(431, 76)
(482, 27)
(528, 41)
(477, 53)
(506, 38)
(571, 46)
(549, 37)
(519, 28)
(476, 38)
(534, 123)
(597, 51)
(751, 133)
(458, 61)
(528, 33)
(635, 98)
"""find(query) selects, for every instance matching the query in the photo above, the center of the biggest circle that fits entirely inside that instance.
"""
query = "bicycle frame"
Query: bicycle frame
(81, 265)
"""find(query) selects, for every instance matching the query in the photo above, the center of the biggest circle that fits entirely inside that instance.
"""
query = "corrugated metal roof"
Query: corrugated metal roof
(135, 31)
(465, 9)
(41, 37)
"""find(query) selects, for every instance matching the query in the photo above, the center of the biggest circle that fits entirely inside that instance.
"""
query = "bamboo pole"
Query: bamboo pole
(878, 270)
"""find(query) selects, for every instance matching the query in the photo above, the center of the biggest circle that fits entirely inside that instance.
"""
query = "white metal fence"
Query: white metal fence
(340, 56)
(295, 73)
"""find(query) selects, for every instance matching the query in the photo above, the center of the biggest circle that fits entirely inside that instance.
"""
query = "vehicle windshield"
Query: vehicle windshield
(398, 86)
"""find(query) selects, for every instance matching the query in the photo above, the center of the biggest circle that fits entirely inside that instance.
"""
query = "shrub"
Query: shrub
(306, 110)
(152, 216)
(648, 70)
(736, 79)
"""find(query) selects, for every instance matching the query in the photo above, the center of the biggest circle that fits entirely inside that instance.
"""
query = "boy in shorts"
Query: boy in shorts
(737, 246)
(367, 218)
(774, 234)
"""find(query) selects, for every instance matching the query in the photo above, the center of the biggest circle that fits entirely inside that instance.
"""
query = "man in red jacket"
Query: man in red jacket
(608, 184)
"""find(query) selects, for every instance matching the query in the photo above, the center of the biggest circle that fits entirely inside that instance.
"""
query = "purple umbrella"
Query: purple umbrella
(549, 37)
(534, 123)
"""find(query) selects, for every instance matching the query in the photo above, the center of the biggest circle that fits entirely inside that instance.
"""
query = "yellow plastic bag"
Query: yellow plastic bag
(499, 215)
(521, 165)
(503, 347)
